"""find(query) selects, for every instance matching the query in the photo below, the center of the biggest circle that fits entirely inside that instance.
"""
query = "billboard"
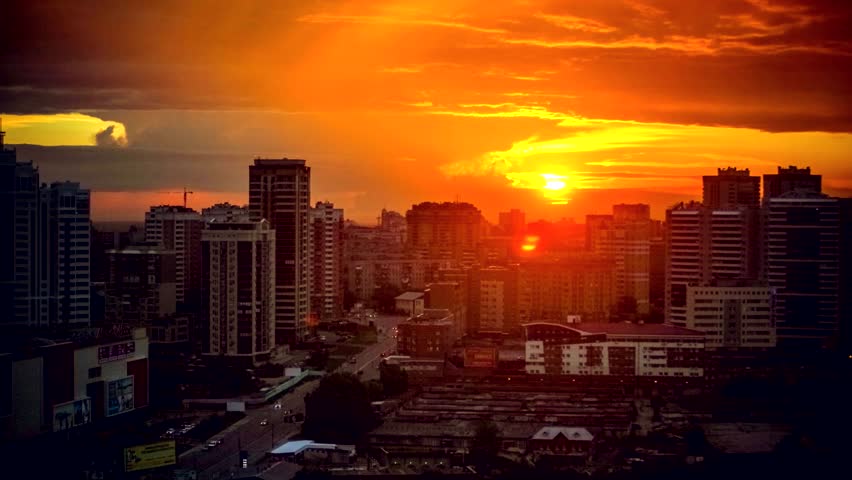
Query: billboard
(116, 351)
(72, 414)
(119, 397)
(480, 357)
(152, 455)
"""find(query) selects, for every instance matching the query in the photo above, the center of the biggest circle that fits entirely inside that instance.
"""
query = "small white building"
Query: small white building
(412, 303)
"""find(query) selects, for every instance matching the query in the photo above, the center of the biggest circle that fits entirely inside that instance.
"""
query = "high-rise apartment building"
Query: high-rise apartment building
(802, 263)
(513, 222)
(731, 188)
(703, 245)
(732, 314)
(280, 192)
(239, 290)
(790, 179)
(446, 230)
(225, 212)
(179, 229)
(20, 242)
(551, 290)
(327, 264)
(625, 237)
(140, 286)
(67, 260)
(495, 299)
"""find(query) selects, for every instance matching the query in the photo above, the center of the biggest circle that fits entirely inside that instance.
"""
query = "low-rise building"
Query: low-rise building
(622, 349)
(428, 335)
(412, 303)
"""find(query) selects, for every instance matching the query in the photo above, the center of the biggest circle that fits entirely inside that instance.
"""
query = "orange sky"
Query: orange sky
(394, 103)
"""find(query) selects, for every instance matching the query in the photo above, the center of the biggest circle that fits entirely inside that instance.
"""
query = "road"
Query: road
(248, 434)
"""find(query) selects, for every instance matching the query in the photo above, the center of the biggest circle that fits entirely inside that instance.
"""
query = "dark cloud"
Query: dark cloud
(106, 138)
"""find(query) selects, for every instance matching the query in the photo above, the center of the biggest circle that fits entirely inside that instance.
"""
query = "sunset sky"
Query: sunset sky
(560, 108)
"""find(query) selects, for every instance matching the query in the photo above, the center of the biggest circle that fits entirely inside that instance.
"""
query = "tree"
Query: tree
(485, 445)
(394, 379)
(339, 410)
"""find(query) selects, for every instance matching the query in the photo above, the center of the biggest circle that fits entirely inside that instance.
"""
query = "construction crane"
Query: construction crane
(185, 192)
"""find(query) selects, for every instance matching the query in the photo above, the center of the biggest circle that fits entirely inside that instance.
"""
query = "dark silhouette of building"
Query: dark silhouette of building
(140, 286)
(179, 229)
(327, 264)
(790, 179)
(731, 188)
(446, 230)
(280, 192)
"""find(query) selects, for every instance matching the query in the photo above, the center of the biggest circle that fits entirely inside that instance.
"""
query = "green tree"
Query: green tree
(485, 445)
(394, 379)
(339, 410)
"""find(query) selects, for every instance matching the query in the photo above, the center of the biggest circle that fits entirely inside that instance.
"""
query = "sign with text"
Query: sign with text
(119, 396)
(480, 357)
(152, 455)
(116, 351)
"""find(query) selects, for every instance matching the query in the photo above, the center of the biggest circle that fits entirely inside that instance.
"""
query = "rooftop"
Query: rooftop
(410, 296)
(625, 329)
(571, 433)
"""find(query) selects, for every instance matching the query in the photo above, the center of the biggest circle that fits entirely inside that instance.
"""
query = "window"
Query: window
(94, 372)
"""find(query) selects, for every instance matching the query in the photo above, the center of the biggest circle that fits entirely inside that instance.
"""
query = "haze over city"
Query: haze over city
(396, 102)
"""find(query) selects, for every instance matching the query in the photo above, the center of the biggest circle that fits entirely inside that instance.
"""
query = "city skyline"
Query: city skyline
(530, 103)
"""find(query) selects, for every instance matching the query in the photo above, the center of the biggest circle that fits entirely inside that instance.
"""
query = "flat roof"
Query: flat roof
(625, 329)
(409, 296)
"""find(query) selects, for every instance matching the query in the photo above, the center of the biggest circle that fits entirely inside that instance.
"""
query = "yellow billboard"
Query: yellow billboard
(152, 455)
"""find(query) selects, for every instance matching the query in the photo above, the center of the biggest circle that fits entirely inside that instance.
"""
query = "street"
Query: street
(248, 434)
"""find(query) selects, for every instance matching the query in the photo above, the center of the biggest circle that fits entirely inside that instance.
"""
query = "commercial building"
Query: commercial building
(327, 264)
(619, 349)
(179, 229)
(732, 314)
(731, 188)
(239, 289)
(140, 286)
(428, 335)
(61, 385)
(802, 262)
(703, 245)
(280, 192)
(625, 237)
(790, 179)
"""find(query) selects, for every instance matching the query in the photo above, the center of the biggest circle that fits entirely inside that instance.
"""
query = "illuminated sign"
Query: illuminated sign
(480, 357)
(72, 414)
(119, 396)
(152, 455)
(116, 351)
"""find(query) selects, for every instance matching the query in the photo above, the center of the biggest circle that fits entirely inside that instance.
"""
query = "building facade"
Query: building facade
(625, 237)
(731, 188)
(802, 262)
(620, 349)
(553, 289)
(445, 230)
(732, 316)
(225, 212)
(179, 229)
(428, 335)
(327, 262)
(790, 179)
(280, 192)
(140, 286)
(239, 273)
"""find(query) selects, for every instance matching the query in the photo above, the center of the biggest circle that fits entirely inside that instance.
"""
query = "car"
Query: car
(264, 422)
(277, 406)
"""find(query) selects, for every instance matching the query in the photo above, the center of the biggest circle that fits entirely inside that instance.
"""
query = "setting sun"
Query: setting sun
(553, 182)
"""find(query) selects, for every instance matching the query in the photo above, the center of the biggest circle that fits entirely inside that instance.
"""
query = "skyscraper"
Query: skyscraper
(327, 264)
(179, 229)
(704, 244)
(790, 179)
(802, 258)
(625, 237)
(140, 285)
(446, 230)
(239, 289)
(67, 253)
(731, 188)
(280, 192)
(20, 241)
